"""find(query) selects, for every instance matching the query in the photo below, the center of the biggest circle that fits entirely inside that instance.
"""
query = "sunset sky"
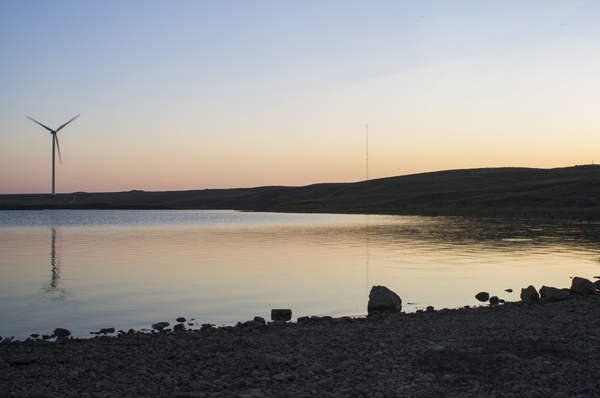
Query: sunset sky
(219, 94)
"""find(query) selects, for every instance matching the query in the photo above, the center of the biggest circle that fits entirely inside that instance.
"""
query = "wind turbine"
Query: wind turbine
(54, 144)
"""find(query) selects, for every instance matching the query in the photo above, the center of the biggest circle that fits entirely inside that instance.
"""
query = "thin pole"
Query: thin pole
(367, 152)
(53, 159)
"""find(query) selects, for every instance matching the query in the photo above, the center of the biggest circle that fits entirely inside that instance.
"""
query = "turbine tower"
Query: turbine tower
(54, 144)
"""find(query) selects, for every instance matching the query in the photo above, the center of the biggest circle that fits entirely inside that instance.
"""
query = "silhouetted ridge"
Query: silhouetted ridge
(572, 192)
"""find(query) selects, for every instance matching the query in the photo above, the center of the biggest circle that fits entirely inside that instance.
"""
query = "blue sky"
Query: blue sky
(194, 95)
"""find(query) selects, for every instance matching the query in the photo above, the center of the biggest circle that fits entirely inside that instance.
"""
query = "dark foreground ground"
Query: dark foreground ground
(561, 193)
(524, 349)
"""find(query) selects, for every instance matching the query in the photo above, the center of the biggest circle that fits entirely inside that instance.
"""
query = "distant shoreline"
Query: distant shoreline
(571, 193)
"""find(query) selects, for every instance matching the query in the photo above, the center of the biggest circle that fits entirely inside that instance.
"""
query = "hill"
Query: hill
(566, 193)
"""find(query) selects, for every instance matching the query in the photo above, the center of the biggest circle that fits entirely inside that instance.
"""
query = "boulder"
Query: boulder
(179, 326)
(260, 319)
(60, 332)
(582, 286)
(554, 294)
(494, 300)
(381, 299)
(529, 293)
(281, 315)
(482, 296)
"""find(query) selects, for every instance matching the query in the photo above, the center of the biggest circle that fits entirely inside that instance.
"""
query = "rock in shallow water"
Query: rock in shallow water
(60, 332)
(281, 315)
(160, 325)
(554, 294)
(529, 293)
(482, 296)
(381, 299)
(582, 286)
(179, 326)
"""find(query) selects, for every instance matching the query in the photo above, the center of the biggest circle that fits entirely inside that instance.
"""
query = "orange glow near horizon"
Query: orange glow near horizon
(281, 95)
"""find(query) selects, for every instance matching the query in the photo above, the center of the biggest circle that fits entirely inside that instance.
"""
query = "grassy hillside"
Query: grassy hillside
(566, 193)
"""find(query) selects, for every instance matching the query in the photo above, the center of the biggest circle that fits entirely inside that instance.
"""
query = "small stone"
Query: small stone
(494, 300)
(482, 296)
(181, 319)
(437, 348)
(281, 315)
(60, 332)
(430, 309)
(160, 325)
(508, 290)
(260, 319)
(179, 326)
(107, 330)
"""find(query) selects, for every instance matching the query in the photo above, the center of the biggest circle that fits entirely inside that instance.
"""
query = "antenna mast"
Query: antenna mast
(367, 152)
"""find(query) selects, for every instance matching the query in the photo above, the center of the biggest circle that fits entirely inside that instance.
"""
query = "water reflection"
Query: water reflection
(52, 292)
(54, 262)
(132, 269)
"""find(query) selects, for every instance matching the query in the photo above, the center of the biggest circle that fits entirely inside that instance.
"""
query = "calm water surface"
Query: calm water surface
(87, 270)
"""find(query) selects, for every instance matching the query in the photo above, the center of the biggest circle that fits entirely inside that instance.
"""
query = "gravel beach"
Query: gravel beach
(531, 348)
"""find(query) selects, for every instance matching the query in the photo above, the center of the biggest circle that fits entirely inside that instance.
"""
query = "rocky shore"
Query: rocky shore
(531, 348)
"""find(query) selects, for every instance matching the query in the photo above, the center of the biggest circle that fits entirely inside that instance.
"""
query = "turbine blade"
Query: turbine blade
(67, 123)
(47, 128)
(57, 147)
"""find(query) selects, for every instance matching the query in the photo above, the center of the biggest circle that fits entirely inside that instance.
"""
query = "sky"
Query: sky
(203, 94)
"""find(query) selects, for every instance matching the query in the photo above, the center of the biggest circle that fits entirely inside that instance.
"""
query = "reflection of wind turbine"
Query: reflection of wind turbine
(54, 144)
(54, 261)
(52, 292)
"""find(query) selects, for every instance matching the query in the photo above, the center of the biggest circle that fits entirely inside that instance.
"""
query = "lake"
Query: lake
(87, 270)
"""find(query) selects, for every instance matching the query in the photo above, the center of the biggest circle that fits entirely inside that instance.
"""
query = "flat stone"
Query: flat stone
(24, 359)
